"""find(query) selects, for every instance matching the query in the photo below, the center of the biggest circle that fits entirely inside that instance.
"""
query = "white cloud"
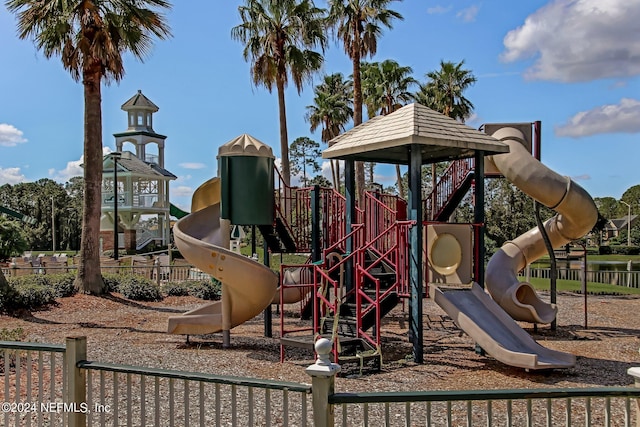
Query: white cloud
(469, 14)
(181, 191)
(438, 10)
(583, 177)
(11, 176)
(474, 120)
(188, 165)
(386, 180)
(326, 169)
(10, 136)
(73, 168)
(623, 117)
(183, 178)
(578, 40)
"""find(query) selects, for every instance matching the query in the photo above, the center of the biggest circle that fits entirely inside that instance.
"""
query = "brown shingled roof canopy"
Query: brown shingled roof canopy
(385, 139)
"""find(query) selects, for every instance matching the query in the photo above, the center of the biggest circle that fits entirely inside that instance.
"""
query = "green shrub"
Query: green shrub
(619, 250)
(176, 289)
(29, 280)
(35, 290)
(32, 291)
(16, 334)
(138, 288)
(626, 250)
(7, 296)
(205, 289)
(34, 295)
(62, 284)
(605, 250)
(111, 282)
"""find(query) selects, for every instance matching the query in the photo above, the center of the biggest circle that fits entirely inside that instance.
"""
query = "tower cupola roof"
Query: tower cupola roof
(139, 102)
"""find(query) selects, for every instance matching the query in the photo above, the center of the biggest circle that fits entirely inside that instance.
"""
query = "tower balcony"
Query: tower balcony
(129, 200)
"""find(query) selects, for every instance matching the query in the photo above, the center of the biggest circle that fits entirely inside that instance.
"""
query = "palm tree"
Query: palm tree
(385, 88)
(91, 37)
(332, 110)
(444, 93)
(358, 24)
(444, 90)
(279, 36)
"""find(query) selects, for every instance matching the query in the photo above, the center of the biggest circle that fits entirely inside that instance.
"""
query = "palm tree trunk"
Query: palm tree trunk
(284, 138)
(357, 110)
(398, 173)
(399, 180)
(333, 174)
(89, 279)
(434, 196)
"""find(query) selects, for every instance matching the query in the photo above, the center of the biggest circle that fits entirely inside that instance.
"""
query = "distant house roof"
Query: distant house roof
(385, 139)
(620, 223)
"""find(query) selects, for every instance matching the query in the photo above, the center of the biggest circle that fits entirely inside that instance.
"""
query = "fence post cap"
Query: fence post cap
(634, 372)
(323, 366)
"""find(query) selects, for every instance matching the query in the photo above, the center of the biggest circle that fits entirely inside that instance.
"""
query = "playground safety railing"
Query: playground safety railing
(50, 384)
(333, 218)
(293, 207)
(395, 257)
(381, 212)
(446, 186)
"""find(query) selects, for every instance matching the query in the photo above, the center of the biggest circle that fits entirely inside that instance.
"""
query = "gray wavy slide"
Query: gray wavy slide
(476, 313)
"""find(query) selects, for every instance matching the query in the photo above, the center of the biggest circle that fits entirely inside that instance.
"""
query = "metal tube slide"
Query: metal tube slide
(576, 216)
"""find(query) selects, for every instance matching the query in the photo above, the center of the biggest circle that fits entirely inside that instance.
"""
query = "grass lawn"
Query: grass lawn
(620, 258)
(276, 259)
(575, 286)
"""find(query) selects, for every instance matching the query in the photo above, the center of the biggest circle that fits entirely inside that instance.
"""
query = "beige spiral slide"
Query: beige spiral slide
(576, 216)
(248, 287)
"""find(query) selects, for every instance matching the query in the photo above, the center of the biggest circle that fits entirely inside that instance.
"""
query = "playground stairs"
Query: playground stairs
(350, 325)
(355, 355)
(449, 190)
(278, 237)
(347, 325)
(379, 238)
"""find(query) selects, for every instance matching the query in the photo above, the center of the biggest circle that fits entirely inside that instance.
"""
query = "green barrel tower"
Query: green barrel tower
(246, 174)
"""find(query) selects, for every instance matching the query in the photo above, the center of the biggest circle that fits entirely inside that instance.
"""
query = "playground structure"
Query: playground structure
(365, 260)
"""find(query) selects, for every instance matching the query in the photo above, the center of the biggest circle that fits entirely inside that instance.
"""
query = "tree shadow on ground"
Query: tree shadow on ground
(130, 303)
(578, 332)
(29, 316)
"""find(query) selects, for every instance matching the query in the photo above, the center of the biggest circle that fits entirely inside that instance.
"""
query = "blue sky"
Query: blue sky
(574, 65)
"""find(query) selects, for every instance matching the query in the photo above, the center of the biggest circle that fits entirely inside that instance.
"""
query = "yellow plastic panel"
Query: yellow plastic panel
(449, 253)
